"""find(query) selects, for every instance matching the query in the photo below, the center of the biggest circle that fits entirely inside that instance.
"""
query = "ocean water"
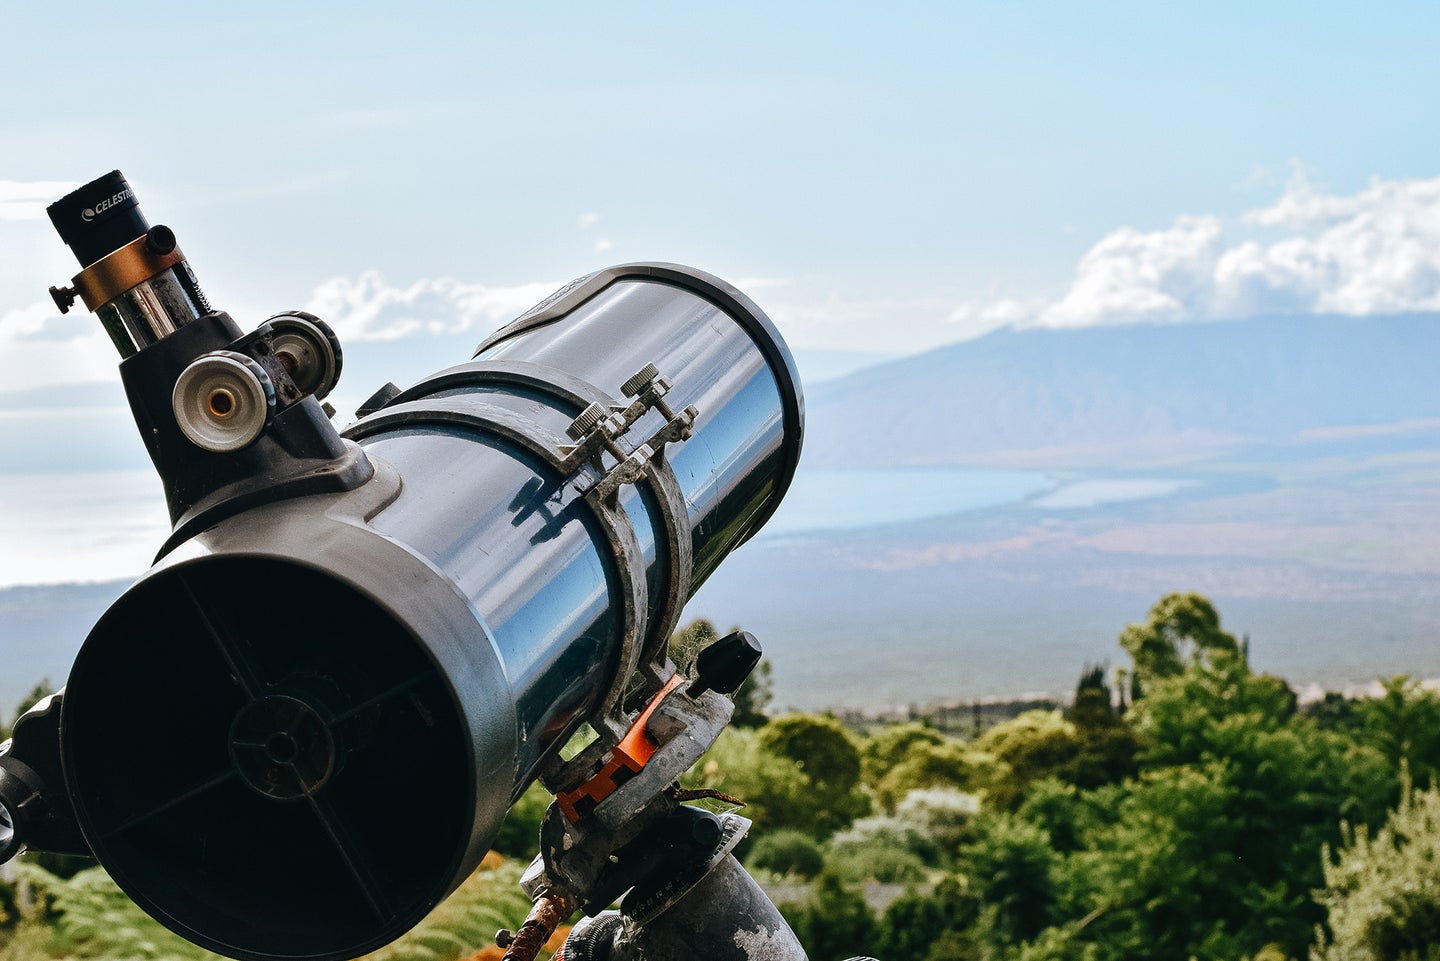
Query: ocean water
(845, 499)
(105, 525)
(1093, 493)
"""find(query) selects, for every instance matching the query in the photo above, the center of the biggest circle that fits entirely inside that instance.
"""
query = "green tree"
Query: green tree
(822, 793)
(1105, 744)
(883, 849)
(1033, 745)
(788, 852)
(891, 745)
(1336, 712)
(834, 922)
(1013, 870)
(1181, 629)
(944, 816)
(937, 925)
(948, 764)
(1403, 724)
(1212, 850)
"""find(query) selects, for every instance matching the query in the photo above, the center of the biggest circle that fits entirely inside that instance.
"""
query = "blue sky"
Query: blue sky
(880, 179)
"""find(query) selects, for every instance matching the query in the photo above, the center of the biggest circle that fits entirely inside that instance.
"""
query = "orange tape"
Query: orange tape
(630, 756)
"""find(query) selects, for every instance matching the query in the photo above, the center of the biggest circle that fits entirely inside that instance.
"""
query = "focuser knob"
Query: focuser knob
(309, 349)
(223, 401)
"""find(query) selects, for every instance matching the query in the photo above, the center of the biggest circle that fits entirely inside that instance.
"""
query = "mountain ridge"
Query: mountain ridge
(1167, 393)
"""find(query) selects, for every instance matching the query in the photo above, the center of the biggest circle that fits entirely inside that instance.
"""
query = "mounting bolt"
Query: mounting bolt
(64, 298)
(504, 938)
(639, 380)
(587, 420)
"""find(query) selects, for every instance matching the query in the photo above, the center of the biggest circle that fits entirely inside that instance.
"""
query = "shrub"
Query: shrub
(787, 851)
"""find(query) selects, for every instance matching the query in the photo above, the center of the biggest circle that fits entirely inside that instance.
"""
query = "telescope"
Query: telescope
(302, 727)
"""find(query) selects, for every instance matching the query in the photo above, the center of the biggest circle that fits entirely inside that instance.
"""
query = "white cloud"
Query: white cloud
(588, 220)
(1132, 276)
(976, 316)
(1373, 252)
(604, 244)
(367, 308)
(27, 200)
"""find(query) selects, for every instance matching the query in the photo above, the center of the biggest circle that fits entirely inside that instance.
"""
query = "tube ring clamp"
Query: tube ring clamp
(619, 531)
(578, 394)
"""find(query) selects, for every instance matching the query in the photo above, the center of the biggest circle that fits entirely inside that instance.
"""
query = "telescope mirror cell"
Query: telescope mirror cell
(302, 728)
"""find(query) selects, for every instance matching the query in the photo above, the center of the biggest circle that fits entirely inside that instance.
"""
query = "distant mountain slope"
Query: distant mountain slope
(1152, 394)
(42, 628)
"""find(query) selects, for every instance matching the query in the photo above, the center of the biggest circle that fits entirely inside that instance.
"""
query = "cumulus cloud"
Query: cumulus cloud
(1373, 252)
(1134, 276)
(367, 308)
(27, 200)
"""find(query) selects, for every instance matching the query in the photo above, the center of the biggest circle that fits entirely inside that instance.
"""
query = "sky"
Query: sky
(880, 180)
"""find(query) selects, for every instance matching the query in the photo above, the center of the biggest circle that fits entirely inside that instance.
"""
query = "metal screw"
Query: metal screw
(639, 380)
(504, 938)
(587, 420)
(64, 298)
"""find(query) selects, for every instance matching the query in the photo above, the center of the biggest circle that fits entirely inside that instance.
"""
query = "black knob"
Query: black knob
(724, 665)
(705, 831)
(160, 239)
(64, 298)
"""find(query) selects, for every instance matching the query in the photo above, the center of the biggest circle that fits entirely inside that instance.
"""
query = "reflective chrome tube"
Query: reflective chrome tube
(303, 727)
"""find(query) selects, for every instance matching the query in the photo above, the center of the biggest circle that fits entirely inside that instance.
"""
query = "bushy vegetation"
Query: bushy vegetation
(1187, 807)
(1196, 811)
(87, 918)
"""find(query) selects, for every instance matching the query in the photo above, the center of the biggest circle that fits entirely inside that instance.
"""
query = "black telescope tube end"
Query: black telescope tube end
(99, 218)
(9, 834)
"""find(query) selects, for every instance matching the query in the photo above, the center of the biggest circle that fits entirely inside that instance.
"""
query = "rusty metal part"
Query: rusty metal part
(111, 276)
(549, 912)
(682, 794)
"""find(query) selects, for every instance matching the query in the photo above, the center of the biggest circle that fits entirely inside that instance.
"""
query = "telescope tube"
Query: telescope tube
(302, 728)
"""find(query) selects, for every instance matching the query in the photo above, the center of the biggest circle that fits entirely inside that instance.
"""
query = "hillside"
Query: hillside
(1128, 396)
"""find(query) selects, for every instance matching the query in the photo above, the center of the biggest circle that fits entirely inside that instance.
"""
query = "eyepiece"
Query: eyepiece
(99, 218)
